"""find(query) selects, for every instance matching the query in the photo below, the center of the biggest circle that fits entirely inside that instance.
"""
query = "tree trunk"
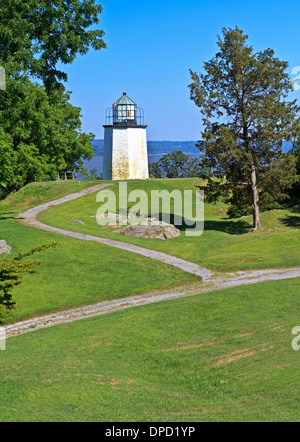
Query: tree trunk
(255, 199)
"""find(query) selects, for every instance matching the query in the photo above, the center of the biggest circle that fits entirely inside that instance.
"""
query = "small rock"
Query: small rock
(77, 221)
(4, 248)
(114, 218)
(133, 215)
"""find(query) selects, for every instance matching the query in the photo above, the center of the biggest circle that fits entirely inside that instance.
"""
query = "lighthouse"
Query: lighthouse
(125, 142)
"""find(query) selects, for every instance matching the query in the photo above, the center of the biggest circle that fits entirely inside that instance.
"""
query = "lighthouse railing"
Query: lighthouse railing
(112, 118)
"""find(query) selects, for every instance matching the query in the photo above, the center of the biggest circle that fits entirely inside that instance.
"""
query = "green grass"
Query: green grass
(39, 193)
(226, 245)
(222, 356)
(77, 272)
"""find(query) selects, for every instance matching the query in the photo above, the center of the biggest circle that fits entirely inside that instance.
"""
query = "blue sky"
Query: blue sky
(153, 44)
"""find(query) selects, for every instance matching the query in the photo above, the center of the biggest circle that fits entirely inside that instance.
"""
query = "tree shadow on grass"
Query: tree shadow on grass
(291, 221)
(7, 215)
(227, 226)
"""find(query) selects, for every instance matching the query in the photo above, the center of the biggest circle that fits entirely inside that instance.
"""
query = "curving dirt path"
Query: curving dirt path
(209, 283)
(102, 308)
(30, 218)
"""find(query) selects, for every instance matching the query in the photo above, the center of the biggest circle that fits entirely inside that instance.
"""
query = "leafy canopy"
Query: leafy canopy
(36, 35)
(40, 131)
(40, 134)
(295, 191)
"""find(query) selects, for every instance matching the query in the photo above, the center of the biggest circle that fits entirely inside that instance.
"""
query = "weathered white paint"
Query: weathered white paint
(125, 153)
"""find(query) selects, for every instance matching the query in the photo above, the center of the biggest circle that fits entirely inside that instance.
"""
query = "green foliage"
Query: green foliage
(239, 211)
(243, 97)
(40, 130)
(177, 165)
(92, 175)
(11, 270)
(295, 191)
(274, 183)
(8, 159)
(296, 152)
(40, 134)
(37, 35)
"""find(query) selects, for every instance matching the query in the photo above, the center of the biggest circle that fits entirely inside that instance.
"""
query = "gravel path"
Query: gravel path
(209, 283)
(102, 308)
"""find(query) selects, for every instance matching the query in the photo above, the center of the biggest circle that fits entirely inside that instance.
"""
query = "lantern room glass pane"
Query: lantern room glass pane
(125, 112)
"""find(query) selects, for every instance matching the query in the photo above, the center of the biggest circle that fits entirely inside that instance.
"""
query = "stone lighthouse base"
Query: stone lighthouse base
(125, 153)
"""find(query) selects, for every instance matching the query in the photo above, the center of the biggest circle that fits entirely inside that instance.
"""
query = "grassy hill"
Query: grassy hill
(39, 193)
(77, 272)
(226, 244)
(223, 356)
(220, 356)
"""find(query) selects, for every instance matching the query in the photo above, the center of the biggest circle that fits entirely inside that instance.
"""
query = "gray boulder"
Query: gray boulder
(4, 248)
(150, 229)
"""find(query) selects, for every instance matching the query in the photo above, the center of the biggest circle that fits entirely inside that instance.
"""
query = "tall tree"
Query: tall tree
(242, 96)
(36, 35)
(40, 130)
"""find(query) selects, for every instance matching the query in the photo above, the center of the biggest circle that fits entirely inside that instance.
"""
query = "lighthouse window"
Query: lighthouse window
(122, 112)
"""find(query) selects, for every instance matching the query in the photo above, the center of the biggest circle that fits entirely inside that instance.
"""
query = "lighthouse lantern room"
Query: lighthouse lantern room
(125, 142)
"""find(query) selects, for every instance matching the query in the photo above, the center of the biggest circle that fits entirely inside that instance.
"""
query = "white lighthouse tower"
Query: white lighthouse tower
(125, 142)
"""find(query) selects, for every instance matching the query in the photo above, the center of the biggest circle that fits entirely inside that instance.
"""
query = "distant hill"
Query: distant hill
(165, 147)
(156, 147)
(98, 147)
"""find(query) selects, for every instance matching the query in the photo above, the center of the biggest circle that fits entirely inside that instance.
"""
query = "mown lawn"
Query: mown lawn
(77, 272)
(222, 356)
(226, 245)
(38, 193)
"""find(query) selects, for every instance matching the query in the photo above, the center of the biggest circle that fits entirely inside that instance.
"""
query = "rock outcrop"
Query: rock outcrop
(150, 229)
(4, 248)
(139, 226)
